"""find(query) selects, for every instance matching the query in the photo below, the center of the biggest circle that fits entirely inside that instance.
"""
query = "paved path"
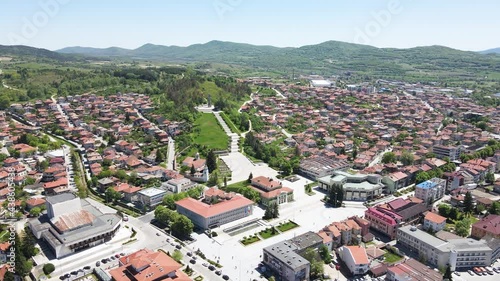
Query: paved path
(279, 93)
(234, 147)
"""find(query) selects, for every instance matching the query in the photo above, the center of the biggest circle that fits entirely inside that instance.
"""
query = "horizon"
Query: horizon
(401, 24)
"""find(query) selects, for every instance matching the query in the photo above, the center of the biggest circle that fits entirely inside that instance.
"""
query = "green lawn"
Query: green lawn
(287, 226)
(229, 123)
(250, 240)
(390, 257)
(239, 184)
(268, 233)
(208, 132)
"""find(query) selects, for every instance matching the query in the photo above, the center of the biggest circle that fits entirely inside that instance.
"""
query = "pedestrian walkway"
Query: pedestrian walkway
(233, 147)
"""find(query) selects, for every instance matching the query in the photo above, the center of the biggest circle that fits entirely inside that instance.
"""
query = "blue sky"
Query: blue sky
(54, 24)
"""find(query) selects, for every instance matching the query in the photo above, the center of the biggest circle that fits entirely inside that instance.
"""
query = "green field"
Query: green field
(4, 236)
(250, 240)
(391, 258)
(209, 133)
(268, 233)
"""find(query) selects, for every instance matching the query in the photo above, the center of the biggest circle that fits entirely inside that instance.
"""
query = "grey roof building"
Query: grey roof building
(72, 224)
(285, 259)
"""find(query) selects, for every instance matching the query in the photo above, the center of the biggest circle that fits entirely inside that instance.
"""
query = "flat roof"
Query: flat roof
(422, 236)
(469, 244)
(306, 240)
(152, 192)
(60, 198)
(286, 253)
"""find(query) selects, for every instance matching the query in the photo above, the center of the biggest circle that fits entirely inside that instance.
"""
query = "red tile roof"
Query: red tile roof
(359, 254)
(207, 211)
(435, 218)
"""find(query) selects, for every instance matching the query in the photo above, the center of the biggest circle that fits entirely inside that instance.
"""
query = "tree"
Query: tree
(494, 208)
(490, 177)
(462, 227)
(407, 158)
(336, 195)
(316, 263)
(177, 255)
(324, 252)
(193, 170)
(389, 157)
(9, 276)
(159, 156)
(4, 102)
(28, 244)
(422, 176)
(468, 203)
(447, 274)
(211, 161)
(272, 211)
(35, 212)
(250, 177)
(23, 267)
(48, 268)
(454, 213)
(112, 194)
(182, 226)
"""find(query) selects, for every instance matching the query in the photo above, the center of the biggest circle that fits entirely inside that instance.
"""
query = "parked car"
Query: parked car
(193, 261)
(178, 246)
(189, 254)
(211, 267)
(471, 272)
(218, 272)
(205, 264)
(225, 277)
(98, 263)
(86, 267)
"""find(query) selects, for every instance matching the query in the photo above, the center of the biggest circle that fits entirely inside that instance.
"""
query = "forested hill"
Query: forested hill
(25, 51)
(332, 57)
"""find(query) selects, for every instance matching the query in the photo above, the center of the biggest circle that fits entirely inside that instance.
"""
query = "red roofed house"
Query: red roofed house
(434, 222)
(4, 251)
(208, 216)
(34, 202)
(355, 258)
(271, 190)
(396, 181)
(146, 265)
(489, 225)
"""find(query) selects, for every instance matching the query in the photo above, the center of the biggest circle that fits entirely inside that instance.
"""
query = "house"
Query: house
(355, 259)
(34, 202)
(395, 181)
(434, 222)
(146, 265)
(358, 187)
(489, 225)
(151, 197)
(4, 252)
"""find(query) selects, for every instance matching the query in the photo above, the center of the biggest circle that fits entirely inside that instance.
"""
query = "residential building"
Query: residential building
(412, 270)
(151, 197)
(316, 167)
(355, 258)
(179, 185)
(72, 224)
(271, 190)
(4, 252)
(410, 209)
(431, 190)
(358, 187)
(434, 222)
(285, 258)
(208, 216)
(383, 220)
(489, 225)
(452, 152)
(396, 181)
(146, 265)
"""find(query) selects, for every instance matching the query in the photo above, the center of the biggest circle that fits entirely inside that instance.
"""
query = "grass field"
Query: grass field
(250, 240)
(268, 233)
(390, 257)
(230, 123)
(287, 226)
(208, 132)
(4, 236)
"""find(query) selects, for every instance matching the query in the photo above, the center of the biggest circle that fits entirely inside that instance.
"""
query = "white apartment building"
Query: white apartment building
(355, 258)
(431, 190)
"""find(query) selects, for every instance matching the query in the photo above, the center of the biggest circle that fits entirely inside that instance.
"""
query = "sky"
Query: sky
(55, 24)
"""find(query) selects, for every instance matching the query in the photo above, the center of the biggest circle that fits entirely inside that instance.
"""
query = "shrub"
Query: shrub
(48, 268)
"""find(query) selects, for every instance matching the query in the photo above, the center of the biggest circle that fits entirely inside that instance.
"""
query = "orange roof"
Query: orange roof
(359, 254)
(57, 183)
(207, 211)
(152, 266)
(4, 246)
(273, 193)
(268, 183)
(324, 235)
(334, 230)
(435, 218)
(35, 201)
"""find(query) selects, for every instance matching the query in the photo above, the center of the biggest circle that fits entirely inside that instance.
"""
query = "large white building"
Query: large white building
(458, 253)
(318, 166)
(431, 190)
(72, 224)
(208, 216)
(452, 152)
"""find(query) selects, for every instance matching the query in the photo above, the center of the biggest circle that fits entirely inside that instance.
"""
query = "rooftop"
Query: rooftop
(286, 253)
(306, 240)
(60, 198)
(358, 253)
(207, 211)
(435, 218)
(150, 192)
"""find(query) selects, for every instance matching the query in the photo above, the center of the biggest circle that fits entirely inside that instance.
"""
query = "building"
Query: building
(285, 258)
(460, 254)
(316, 167)
(434, 222)
(151, 197)
(4, 252)
(412, 270)
(358, 187)
(146, 265)
(431, 190)
(271, 190)
(395, 181)
(489, 225)
(208, 216)
(72, 224)
(179, 185)
(383, 220)
(410, 209)
(452, 152)
(355, 259)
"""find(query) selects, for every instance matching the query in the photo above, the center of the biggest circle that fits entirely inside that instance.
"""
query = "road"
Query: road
(279, 93)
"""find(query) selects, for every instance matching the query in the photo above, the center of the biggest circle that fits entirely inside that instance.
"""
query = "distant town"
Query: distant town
(310, 178)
